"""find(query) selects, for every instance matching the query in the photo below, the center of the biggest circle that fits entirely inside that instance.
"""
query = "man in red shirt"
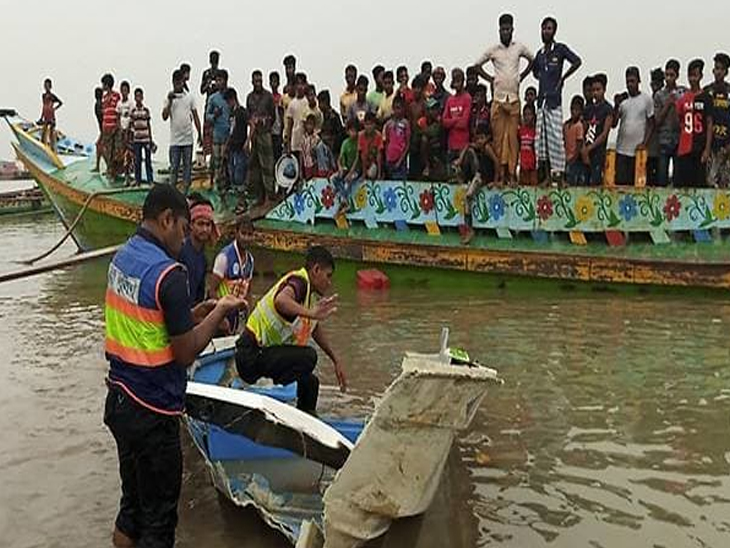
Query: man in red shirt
(692, 113)
(457, 114)
(112, 144)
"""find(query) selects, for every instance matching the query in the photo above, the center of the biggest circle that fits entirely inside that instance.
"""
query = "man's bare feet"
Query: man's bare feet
(467, 235)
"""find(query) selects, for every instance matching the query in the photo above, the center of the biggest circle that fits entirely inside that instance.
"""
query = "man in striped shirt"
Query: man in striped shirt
(112, 143)
(141, 137)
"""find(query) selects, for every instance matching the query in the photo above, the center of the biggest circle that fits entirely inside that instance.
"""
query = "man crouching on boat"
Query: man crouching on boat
(151, 338)
(275, 343)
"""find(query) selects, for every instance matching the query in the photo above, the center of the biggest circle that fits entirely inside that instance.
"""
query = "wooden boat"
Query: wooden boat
(603, 235)
(332, 483)
(20, 202)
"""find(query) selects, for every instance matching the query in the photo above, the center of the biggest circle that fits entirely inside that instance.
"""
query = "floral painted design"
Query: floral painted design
(544, 208)
(328, 197)
(672, 207)
(390, 199)
(721, 206)
(584, 208)
(426, 201)
(497, 207)
(460, 200)
(299, 204)
(627, 208)
(361, 198)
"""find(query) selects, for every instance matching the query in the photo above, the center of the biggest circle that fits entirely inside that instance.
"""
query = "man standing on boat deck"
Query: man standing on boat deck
(260, 107)
(548, 69)
(505, 83)
(207, 88)
(151, 338)
(180, 109)
(275, 343)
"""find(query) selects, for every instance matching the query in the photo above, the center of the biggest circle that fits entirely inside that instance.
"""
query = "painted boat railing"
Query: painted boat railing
(435, 205)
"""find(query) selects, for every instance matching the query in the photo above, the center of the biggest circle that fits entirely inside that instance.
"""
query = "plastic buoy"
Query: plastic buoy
(372, 279)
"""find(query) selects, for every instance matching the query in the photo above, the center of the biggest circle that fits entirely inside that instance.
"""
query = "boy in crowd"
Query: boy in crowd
(312, 108)
(349, 96)
(667, 121)
(634, 112)
(530, 95)
(317, 160)
(416, 112)
(375, 97)
(716, 155)
(50, 104)
(277, 126)
(401, 75)
(573, 135)
(185, 68)
(124, 111)
(370, 146)
(142, 142)
(360, 107)
(588, 90)
(652, 148)
(232, 272)
(440, 93)
(472, 80)
(476, 167)
(528, 157)
(290, 87)
(397, 133)
(295, 115)
(203, 231)
(218, 114)
(598, 117)
(348, 162)
(433, 153)
(426, 74)
(386, 105)
(238, 144)
(480, 114)
(692, 111)
(332, 130)
(457, 114)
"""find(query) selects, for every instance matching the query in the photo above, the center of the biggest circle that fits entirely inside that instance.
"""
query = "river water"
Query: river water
(611, 428)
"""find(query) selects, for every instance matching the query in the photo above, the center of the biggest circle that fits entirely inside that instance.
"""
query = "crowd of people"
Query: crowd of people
(391, 126)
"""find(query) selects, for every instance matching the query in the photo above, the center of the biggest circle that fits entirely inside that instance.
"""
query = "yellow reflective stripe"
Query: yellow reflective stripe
(131, 333)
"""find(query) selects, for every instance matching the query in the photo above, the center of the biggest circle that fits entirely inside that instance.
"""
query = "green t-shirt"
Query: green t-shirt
(375, 98)
(348, 153)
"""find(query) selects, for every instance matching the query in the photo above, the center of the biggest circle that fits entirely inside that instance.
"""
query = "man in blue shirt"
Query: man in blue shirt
(548, 69)
(218, 114)
(202, 232)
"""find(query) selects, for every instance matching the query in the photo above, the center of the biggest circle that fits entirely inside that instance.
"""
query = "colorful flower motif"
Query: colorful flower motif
(460, 200)
(496, 207)
(390, 199)
(544, 208)
(672, 207)
(426, 200)
(627, 208)
(721, 206)
(328, 197)
(361, 198)
(299, 203)
(584, 208)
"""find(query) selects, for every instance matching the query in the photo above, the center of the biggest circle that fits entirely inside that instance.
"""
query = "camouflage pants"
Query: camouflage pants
(718, 172)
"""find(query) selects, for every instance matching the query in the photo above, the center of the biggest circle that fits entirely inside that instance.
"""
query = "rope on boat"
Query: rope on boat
(69, 229)
(63, 263)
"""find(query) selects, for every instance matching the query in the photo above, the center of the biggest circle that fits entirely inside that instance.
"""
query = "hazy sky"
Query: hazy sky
(76, 41)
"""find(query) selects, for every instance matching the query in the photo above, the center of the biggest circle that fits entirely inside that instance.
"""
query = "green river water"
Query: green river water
(611, 428)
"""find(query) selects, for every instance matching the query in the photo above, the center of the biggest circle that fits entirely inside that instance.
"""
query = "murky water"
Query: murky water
(611, 428)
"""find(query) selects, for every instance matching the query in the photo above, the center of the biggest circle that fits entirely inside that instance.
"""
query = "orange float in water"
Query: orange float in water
(372, 279)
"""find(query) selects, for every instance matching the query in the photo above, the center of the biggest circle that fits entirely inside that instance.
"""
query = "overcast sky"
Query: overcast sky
(76, 41)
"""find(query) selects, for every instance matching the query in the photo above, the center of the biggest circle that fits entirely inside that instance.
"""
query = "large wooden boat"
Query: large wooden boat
(602, 235)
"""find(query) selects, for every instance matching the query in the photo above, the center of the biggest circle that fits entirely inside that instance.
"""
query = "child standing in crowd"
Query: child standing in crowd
(99, 114)
(480, 112)
(692, 111)
(370, 146)
(397, 133)
(667, 121)
(332, 131)
(50, 104)
(433, 153)
(573, 133)
(348, 172)
(360, 107)
(295, 115)
(401, 75)
(457, 114)
(316, 158)
(652, 147)
(530, 96)
(141, 137)
(375, 97)
(312, 108)
(598, 117)
(389, 94)
(238, 146)
(218, 114)
(716, 155)
(476, 167)
(416, 112)
(277, 125)
(528, 158)
(124, 110)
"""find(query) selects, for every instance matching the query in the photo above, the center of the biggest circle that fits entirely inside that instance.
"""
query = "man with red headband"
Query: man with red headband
(202, 231)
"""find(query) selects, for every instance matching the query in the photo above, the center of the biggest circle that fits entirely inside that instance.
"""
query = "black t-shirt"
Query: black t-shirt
(719, 99)
(239, 128)
(595, 116)
(174, 296)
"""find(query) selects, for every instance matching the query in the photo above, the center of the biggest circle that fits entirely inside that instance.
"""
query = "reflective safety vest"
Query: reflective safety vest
(237, 268)
(270, 329)
(137, 342)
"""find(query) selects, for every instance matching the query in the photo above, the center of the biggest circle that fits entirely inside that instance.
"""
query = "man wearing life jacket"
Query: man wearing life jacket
(275, 343)
(233, 270)
(152, 336)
